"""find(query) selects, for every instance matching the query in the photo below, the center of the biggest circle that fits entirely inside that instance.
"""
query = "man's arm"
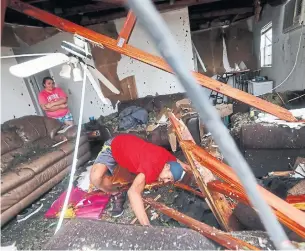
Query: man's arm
(135, 198)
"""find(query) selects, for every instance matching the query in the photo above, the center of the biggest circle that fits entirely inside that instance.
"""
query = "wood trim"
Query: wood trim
(127, 29)
(148, 58)
(217, 202)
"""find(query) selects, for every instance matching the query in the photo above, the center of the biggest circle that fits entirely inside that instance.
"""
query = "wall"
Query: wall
(15, 99)
(239, 44)
(149, 80)
(284, 50)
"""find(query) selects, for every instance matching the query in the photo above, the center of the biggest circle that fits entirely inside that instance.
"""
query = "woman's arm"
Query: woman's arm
(53, 108)
(61, 101)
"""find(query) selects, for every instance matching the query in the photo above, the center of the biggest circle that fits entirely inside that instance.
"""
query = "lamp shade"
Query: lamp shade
(65, 71)
(77, 74)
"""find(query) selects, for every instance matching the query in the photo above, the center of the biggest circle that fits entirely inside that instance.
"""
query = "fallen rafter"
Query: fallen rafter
(287, 214)
(217, 202)
(148, 58)
(222, 238)
(229, 191)
(127, 29)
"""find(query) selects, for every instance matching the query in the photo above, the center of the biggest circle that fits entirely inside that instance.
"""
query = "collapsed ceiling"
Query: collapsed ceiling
(203, 13)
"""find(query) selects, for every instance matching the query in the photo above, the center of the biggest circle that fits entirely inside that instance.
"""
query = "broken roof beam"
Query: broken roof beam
(127, 29)
(222, 238)
(148, 58)
(230, 191)
(217, 202)
(227, 174)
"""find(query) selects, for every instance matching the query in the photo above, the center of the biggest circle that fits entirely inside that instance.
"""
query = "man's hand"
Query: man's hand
(135, 198)
(185, 167)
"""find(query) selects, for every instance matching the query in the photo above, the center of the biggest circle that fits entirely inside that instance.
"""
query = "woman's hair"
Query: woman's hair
(45, 79)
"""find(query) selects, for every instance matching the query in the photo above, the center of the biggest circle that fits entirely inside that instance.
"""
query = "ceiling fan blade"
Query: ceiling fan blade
(36, 65)
(104, 80)
(95, 85)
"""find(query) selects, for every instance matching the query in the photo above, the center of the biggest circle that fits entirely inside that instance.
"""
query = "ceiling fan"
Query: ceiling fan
(79, 54)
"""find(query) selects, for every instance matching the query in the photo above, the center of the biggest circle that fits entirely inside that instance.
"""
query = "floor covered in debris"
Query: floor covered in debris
(35, 232)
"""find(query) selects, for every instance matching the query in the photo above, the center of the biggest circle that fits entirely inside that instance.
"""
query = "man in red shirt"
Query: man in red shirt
(149, 162)
(53, 100)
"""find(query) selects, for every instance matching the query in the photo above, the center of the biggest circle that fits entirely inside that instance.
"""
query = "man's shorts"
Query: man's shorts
(105, 157)
(67, 117)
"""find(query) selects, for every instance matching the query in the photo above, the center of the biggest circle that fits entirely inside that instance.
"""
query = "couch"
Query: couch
(269, 148)
(30, 166)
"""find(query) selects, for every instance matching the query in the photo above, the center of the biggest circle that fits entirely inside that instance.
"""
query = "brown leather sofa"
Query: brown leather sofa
(30, 166)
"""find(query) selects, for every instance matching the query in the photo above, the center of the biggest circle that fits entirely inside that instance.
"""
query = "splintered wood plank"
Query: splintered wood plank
(127, 29)
(231, 192)
(217, 202)
(189, 189)
(224, 239)
(227, 174)
(148, 58)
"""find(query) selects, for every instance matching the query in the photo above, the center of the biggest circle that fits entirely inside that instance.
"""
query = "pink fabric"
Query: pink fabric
(86, 205)
(49, 97)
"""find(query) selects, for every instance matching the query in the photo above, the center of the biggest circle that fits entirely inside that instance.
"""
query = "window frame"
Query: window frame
(265, 43)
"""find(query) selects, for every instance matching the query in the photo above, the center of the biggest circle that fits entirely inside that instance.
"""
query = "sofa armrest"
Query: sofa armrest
(52, 126)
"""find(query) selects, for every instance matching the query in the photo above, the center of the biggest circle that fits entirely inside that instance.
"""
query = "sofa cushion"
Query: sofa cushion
(9, 160)
(24, 202)
(40, 164)
(29, 128)
(10, 140)
(18, 193)
(68, 147)
(15, 209)
(14, 178)
(27, 153)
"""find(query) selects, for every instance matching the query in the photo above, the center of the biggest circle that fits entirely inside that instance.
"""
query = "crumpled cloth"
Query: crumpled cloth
(131, 117)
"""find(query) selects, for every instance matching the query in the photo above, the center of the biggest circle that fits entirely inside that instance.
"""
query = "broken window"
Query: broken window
(266, 45)
(294, 15)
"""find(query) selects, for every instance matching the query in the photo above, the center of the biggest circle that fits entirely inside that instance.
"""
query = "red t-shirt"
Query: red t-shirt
(139, 156)
(49, 97)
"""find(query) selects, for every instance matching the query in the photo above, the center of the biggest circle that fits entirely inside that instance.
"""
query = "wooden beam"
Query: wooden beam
(224, 239)
(231, 192)
(148, 58)
(217, 202)
(227, 174)
(127, 29)
(189, 189)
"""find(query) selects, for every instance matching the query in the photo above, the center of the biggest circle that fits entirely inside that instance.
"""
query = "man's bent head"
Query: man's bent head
(172, 171)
